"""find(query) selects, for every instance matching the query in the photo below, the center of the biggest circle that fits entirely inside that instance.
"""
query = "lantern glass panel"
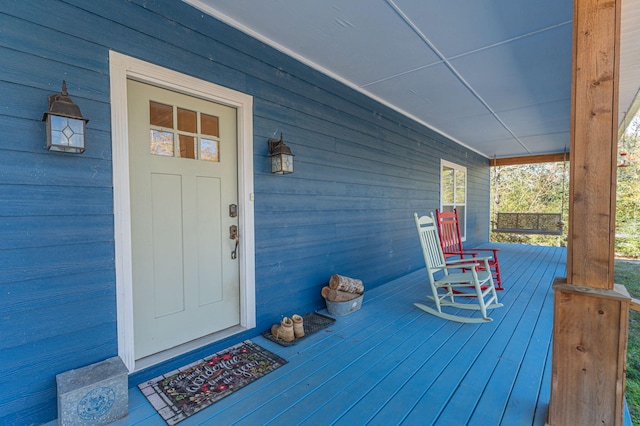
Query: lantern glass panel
(76, 126)
(57, 123)
(276, 164)
(65, 134)
(287, 163)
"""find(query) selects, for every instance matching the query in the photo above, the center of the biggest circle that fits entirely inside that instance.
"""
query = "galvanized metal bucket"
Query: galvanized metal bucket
(344, 308)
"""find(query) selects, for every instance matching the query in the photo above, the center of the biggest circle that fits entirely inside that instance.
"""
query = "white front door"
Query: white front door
(183, 180)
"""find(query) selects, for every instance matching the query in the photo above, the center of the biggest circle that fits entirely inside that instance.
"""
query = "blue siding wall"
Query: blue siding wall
(361, 171)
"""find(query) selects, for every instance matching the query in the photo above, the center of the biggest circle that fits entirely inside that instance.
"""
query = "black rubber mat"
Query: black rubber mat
(313, 322)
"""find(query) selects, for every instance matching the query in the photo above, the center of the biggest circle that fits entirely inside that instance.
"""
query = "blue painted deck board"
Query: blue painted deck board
(391, 363)
(309, 364)
(506, 350)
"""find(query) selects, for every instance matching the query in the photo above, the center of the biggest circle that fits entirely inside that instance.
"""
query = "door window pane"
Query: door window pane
(187, 146)
(191, 126)
(161, 143)
(161, 114)
(187, 120)
(209, 150)
(209, 125)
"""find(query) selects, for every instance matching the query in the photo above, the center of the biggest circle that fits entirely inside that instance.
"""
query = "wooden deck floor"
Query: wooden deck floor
(390, 363)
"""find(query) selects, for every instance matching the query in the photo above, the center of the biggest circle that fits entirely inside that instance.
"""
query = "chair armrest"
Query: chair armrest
(494, 250)
(475, 260)
(460, 253)
(469, 265)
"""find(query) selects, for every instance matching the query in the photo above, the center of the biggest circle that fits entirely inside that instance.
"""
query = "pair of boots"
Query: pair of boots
(289, 328)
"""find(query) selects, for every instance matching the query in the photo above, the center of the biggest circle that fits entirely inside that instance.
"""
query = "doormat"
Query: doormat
(183, 392)
(313, 322)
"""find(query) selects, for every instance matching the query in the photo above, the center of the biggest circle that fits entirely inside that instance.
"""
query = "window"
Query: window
(197, 133)
(453, 192)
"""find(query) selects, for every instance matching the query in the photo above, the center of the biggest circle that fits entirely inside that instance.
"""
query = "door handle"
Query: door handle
(233, 235)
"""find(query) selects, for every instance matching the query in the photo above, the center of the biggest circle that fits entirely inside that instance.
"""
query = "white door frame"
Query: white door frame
(122, 67)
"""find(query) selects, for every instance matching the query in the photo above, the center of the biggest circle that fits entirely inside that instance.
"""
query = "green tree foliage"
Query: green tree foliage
(531, 188)
(628, 195)
(544, 188)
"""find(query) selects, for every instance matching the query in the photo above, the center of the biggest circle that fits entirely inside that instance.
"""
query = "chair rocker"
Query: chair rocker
(451, 243)
(475, 286)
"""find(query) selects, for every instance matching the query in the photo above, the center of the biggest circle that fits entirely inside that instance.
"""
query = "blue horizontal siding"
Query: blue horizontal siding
(36, 294)
(29, 200)
(53, 321)
(53, 170)
(35, 365)
(361, 171)
(54, 261)
(42, 231)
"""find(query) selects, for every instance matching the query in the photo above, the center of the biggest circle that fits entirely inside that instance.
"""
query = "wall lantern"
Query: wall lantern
(281, 157)
(65, 124)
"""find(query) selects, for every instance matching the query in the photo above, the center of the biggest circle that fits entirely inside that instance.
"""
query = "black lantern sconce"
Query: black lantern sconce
(65, 124)
(281, 157)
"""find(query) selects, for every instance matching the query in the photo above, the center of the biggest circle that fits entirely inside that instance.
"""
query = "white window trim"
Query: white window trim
(121, 68)
(449, 164)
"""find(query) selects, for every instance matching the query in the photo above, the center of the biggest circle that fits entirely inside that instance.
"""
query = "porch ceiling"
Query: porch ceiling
(494, 75)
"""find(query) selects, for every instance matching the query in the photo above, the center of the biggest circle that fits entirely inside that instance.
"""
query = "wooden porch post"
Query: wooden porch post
(590, 312)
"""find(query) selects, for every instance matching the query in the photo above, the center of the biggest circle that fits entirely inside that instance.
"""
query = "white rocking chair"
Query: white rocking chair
(475, 286)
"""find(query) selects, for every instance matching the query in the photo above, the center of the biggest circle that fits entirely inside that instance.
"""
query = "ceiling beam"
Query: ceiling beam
(530, 159)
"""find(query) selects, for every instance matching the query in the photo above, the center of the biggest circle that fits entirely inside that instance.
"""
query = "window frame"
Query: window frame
(456, 168)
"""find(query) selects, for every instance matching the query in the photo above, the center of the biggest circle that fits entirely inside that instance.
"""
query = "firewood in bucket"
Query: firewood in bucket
(337, 295)
(350, 285)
